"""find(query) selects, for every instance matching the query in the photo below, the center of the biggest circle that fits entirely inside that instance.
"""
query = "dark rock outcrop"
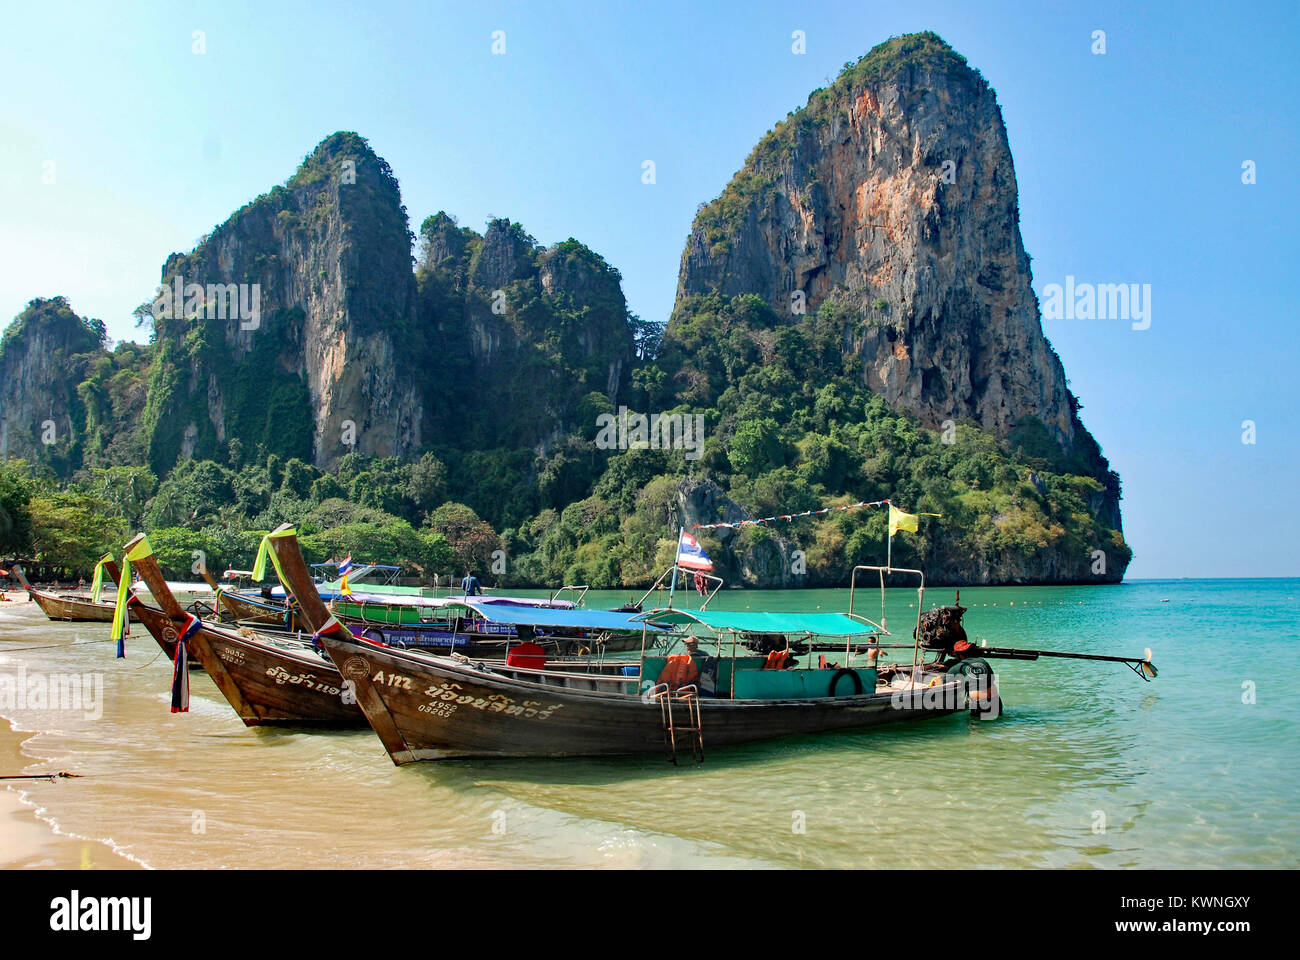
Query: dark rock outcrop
(750, 556)
(526, 331)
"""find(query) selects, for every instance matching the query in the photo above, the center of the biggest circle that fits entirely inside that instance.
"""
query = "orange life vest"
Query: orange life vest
(679, 671)
(776, 660)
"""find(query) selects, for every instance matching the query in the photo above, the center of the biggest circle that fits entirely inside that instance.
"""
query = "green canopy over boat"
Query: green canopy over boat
(819, 624)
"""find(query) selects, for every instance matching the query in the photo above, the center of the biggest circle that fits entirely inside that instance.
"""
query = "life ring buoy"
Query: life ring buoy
(680, 671)
(846, 672)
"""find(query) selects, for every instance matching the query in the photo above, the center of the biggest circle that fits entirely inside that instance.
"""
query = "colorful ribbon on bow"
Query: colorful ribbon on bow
(138, 552)
(329, 626)
(264, 550)
(97, 580)
(181, 665)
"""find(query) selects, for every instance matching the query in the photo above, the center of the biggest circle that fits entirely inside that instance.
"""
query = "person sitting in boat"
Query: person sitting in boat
(707, 665)
(469, 586)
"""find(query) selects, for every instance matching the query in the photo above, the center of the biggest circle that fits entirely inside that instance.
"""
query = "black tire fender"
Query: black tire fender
(845, 672)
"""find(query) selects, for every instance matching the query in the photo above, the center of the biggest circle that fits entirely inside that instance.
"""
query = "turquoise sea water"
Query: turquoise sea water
(1088, 766)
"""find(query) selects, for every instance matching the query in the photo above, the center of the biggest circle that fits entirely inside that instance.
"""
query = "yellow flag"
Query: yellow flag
(898, 520)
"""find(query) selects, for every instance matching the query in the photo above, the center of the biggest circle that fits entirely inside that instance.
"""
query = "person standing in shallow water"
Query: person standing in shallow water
(469, 586)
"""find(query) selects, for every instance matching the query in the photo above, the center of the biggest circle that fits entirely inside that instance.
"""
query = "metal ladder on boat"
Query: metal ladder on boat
(692, 731)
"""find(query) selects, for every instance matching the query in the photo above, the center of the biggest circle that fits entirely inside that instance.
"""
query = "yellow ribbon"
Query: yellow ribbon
(98, 580)
(138, 552)
(264, 550)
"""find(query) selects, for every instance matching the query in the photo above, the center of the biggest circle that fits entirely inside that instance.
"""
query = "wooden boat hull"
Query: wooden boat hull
(237, 608)
(74, 609)
(429, 708)
(267, 685)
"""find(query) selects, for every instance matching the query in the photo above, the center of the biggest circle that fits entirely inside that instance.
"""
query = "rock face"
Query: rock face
(529, 332)
(753, 557)
(890, 199)
(325, 368)
(43, 357)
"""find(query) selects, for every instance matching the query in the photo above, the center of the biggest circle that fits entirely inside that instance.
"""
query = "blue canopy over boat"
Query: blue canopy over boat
(817, 624)
(553, 618)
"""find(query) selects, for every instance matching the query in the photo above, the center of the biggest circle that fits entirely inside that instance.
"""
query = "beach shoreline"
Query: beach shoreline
(27, 839)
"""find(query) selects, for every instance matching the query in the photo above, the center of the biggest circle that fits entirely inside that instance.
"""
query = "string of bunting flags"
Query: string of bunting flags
(898, 520)
(788, 516)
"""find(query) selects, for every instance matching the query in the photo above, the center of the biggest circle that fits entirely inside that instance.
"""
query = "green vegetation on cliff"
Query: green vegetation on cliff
(788, 428)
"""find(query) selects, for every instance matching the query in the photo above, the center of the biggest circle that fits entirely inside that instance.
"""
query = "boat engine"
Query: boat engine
(940, 629)
(766, 643)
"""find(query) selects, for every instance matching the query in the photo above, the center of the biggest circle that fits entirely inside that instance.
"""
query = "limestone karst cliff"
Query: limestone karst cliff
(322, 369)
(887, 207)
(539, 335)
(44, 355)
(854, 321)
(891, 200)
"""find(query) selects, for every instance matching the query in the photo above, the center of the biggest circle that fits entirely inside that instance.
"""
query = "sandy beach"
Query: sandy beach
(27, 840)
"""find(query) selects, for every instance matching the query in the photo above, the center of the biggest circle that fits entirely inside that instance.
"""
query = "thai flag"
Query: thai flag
(346, 566)
(691, 555)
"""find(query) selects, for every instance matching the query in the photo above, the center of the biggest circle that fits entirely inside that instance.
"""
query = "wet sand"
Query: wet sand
(27, 841)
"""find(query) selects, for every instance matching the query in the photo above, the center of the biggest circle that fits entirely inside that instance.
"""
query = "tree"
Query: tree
(174, 549)
(128, 489)
(16, 489)
(756, 446)
(298, 478)
(427, 486)
(472, 540)
(74, 529)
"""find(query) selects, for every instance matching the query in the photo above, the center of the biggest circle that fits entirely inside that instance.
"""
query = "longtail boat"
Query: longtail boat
(426, 707)
(434, 708)
(371, 608)
(331, 588)
(267, 680)
(75, 607)
(727, 677)
(236, 607)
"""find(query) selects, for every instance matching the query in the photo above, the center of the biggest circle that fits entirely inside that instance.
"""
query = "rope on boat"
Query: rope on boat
(142, 666)
(77, 643)
(51, 646)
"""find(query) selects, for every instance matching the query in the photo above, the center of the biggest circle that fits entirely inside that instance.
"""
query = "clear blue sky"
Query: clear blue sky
(1129, 167)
